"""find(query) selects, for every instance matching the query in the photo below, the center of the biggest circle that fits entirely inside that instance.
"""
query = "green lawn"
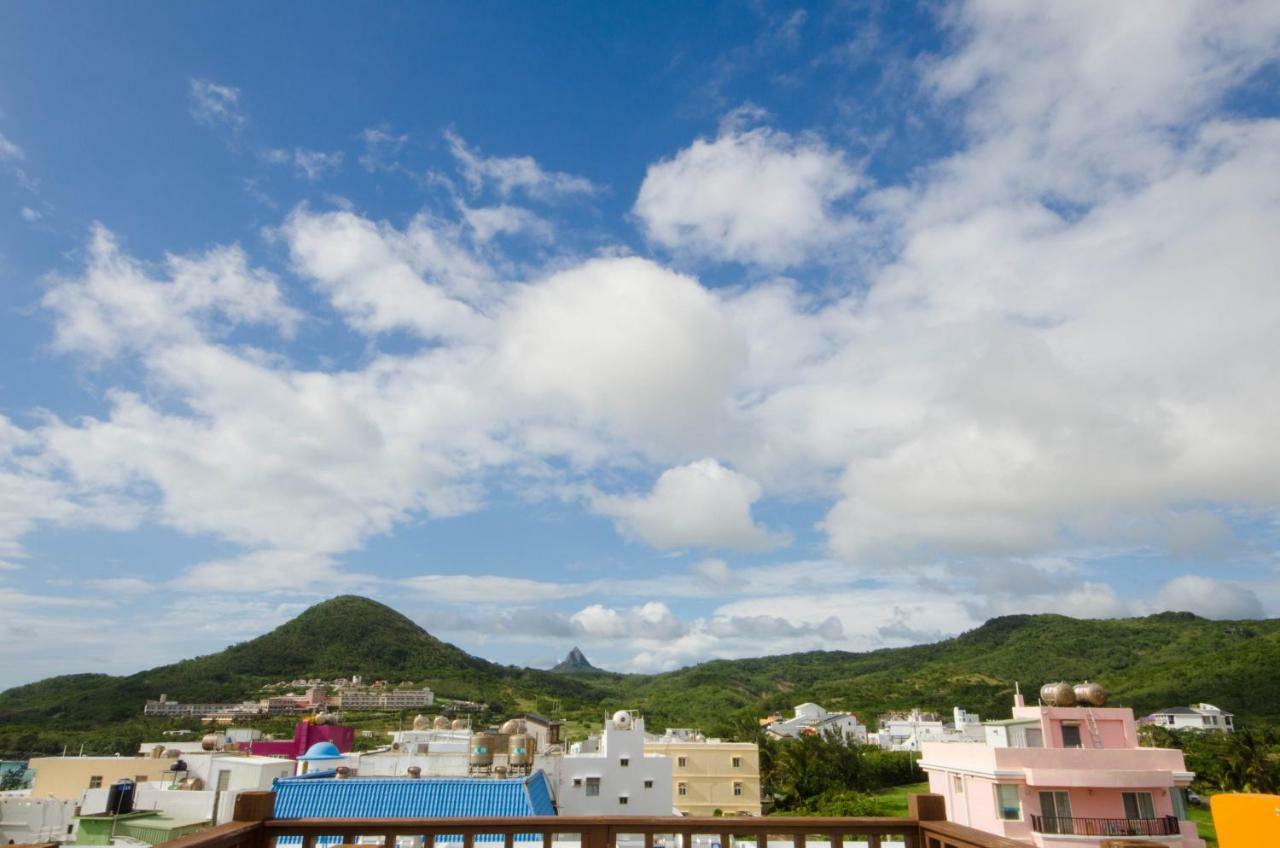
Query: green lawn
(1204, 824)
(895, 799)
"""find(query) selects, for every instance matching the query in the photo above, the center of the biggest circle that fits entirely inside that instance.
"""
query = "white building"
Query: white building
(813, 719)
(1194, 717)
(28, 821)
(212, 780)
(610, 774)
(908, 731)
(388, 699)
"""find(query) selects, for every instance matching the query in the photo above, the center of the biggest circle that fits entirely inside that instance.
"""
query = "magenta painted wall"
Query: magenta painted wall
(304, 736)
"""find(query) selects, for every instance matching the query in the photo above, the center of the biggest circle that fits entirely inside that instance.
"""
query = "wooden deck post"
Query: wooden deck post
(254, 806)
(923, 806)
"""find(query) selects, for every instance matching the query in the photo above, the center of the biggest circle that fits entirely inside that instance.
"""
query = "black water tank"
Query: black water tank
(120, 798)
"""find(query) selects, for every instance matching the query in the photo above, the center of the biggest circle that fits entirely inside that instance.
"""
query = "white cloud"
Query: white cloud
(626, 344)
(508, 175)
(116, 306)
(382, 147)
(755, 196)
(30, 215)
(422, 279)
(215, 105)
(316, 164)
(10, 150)
(651, 621)
(701, 504)
(267, 571)
(1208, 597)
(487, 588)
(486, 222)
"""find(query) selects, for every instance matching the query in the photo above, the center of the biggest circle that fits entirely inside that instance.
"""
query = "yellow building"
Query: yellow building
(66, 778)
(709, 775)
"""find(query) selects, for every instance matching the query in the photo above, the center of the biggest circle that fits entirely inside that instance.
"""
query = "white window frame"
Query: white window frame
(1000, 806)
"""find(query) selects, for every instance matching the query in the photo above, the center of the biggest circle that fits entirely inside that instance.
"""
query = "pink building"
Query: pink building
(305, 735)
(1064, 777)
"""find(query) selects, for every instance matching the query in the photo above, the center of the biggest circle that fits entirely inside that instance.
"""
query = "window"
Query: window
(681, 762)
(624, 762)
(682, 789)
(577, 781)
(1138, 805)
(593, 787)
(622, 800)
(648, 784)
(957, 784)
(1071, 736)
(1008, 807)
(1034, 737)
(737, 762)
(737, 790)
(95, 782)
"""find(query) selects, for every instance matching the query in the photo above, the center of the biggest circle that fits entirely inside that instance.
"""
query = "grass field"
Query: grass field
(895, 799)
(1204, 824)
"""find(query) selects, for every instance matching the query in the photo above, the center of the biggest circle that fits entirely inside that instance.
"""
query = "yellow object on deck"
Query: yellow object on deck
(1246, 821)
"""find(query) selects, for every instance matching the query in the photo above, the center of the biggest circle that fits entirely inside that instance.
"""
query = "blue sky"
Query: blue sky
(673, 331)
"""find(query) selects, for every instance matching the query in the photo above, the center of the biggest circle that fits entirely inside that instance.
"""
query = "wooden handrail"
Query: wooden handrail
(255, 828)
(958, 836)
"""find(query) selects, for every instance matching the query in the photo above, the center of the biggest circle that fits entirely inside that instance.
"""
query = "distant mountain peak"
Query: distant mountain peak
(575, 662)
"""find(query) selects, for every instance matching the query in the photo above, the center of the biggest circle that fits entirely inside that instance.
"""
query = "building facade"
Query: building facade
(1195, 717)
(1064, 777)
(611, 775)
(68, 778)
(384, 699)
(812, 719)
(710, 776)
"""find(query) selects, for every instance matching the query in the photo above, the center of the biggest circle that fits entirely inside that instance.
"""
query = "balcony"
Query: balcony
(1166, 826)
(255, 827)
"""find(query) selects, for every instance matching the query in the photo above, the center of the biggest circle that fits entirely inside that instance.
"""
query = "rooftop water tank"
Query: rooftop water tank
(520, 749)
(120, 798)
(1091, 695)
(458, 724)
(1058, 694)
(421, 723)
(481, 749)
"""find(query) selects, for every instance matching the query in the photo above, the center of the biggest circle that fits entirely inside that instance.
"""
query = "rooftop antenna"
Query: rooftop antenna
(1018, 700)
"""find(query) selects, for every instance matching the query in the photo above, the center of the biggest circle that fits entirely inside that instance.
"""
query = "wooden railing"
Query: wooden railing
(255, 827)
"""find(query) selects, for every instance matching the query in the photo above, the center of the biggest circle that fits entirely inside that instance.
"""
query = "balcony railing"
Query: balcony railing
(255, 827)
(1059, 826)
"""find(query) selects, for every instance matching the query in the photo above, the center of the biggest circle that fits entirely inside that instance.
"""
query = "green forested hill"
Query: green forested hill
(340, 637)
(1147, 663)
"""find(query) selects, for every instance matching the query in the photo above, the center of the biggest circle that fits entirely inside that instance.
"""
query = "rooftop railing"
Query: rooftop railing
(924, 827)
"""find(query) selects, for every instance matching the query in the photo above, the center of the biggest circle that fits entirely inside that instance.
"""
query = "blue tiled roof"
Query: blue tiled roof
(398, 798)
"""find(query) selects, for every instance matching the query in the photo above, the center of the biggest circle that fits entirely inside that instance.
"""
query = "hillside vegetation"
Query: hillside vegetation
(1147, 663)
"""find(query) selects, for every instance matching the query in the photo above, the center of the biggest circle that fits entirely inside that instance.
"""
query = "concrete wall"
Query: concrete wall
(34, 820)
(67, 778)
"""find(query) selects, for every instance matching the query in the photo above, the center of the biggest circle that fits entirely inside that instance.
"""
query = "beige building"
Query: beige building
(709, 775)
(67, 778)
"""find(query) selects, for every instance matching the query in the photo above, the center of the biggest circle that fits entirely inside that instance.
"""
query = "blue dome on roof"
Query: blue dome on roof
(322, 751)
